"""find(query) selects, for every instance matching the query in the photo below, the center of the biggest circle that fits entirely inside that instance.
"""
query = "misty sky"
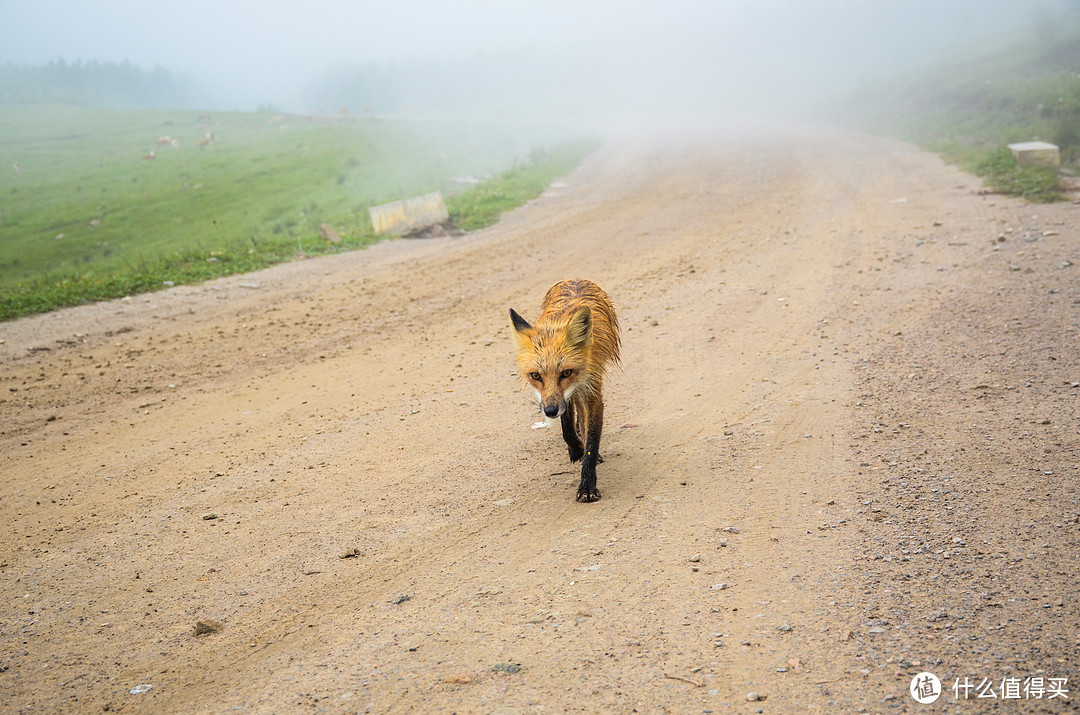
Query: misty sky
(249, 52)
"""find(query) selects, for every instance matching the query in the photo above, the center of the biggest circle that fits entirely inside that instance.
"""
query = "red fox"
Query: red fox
(563, 358)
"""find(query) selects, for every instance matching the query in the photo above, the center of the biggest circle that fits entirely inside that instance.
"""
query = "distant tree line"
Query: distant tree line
(91, 83)
(486, 82)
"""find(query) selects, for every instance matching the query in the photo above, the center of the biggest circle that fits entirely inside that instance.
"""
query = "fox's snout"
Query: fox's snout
(554, 403)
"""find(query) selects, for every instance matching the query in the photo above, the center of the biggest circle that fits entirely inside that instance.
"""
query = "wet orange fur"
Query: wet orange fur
(556, 343)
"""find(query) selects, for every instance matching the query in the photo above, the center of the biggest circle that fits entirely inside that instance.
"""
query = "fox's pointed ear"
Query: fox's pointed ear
(520, 324)
(579, 332)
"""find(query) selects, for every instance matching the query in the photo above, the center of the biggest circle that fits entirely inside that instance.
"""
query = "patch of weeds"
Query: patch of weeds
(1001, 173)
(481, 205)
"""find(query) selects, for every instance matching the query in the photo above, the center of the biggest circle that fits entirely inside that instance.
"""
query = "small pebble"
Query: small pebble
(459, 679)
(205, 626)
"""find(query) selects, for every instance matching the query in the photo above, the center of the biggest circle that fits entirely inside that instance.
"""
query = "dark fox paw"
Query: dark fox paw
(586, 495)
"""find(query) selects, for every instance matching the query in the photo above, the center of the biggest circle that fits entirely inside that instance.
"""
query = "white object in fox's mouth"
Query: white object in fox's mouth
(538, 425)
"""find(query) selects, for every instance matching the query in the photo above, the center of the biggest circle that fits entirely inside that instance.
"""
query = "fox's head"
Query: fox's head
(553, 356)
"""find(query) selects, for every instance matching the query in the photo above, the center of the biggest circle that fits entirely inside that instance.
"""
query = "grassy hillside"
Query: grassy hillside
(88, 215)
(969, 111)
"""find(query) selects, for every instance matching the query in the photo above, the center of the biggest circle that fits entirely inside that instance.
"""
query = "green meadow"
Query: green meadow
(86, 214)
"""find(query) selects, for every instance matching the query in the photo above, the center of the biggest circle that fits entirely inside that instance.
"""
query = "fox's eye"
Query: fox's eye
(535, 376)
(567, 373)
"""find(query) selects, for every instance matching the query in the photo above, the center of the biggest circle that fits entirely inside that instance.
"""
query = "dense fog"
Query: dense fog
(558, 59)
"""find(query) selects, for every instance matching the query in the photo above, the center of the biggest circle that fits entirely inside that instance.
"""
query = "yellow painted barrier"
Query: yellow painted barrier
(398, 217)
(1036, 154)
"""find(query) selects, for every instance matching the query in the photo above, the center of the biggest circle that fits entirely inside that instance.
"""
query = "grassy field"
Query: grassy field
(969, 111)
(86, 217)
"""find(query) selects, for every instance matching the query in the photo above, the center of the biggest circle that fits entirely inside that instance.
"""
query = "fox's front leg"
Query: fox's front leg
(587, 491)
(570, 435)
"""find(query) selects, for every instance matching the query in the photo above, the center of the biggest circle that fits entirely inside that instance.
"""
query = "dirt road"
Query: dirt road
(842, 450)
